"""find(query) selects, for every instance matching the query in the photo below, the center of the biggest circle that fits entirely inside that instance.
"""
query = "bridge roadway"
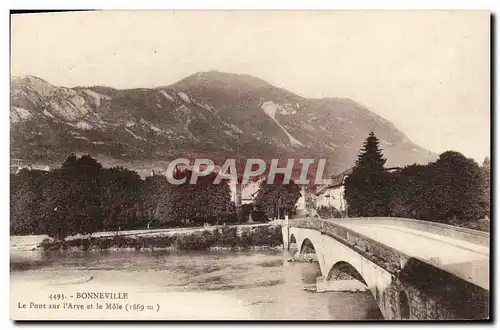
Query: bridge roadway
(461, 252)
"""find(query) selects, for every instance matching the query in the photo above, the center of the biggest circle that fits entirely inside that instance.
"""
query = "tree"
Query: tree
(366, 189)
(327, 212)
(219, 199)
(487, 163)
(70, 162)
(454, 188)
(25, 201)
(60, 197)
(277, 199)
(371, 157)
(155, 202)
(411, 195)
(459, 188)
(486, 174)
(120, 197)
(72, 198)
(200, 202)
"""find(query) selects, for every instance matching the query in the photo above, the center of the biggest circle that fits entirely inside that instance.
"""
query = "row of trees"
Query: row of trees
(83, 197)
(453, 187)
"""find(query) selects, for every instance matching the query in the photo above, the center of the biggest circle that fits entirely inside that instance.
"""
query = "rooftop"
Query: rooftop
(337, 180)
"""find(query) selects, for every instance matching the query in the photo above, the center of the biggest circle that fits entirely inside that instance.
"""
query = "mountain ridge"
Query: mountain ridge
(208, 113)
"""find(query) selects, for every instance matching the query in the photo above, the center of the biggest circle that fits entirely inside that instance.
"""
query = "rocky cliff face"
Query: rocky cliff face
(210, 114)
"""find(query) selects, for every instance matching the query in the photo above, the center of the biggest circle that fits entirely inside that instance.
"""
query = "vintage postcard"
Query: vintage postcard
(250, 165)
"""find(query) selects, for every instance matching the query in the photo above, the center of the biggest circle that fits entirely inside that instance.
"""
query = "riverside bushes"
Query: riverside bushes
(195, 241)
(227, 237)
(266, 236)
(231, 237)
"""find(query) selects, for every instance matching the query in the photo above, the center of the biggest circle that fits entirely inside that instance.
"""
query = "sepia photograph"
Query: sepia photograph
(259, 165)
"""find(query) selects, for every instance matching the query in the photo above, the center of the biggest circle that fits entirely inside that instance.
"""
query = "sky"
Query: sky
(428, 72)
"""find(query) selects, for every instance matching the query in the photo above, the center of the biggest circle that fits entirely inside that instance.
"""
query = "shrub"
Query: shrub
(195, 241)
(105, 243)
(53, 245)
(119, 241)
(160, 242)
(227, 237)
(245, 239)
(139, 243)
(267, 236)
(327, 212)
(198, 240)
(46, 243)
(259, 216)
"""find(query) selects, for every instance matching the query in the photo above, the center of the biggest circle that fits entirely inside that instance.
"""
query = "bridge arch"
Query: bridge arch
(308, 241)
(344, 267)
(333, 256)
(398, 282)
(344, 270)
(307, 247)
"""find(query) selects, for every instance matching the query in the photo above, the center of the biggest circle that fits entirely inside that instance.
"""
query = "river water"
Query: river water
(253, 285)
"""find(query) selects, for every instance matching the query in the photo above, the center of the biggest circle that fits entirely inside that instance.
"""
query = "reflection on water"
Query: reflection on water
(269, 286)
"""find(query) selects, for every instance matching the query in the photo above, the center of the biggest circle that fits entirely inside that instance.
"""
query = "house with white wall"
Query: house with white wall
(332, 193)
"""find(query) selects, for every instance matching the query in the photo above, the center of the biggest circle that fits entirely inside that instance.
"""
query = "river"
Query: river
(251, 285)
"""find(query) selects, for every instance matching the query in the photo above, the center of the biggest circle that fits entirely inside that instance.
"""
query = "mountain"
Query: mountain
(208, 114)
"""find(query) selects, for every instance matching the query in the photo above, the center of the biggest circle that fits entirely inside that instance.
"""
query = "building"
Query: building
(248, 191)
(332, 193)
(19, 164)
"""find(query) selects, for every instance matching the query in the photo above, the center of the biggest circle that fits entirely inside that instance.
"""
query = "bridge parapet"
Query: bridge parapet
(465, 234)
(385, 256)
(429, 291)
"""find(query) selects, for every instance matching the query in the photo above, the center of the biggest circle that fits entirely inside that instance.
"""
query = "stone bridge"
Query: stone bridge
(414, 269)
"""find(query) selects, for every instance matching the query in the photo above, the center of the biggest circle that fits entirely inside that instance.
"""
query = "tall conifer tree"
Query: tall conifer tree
(365, 188)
